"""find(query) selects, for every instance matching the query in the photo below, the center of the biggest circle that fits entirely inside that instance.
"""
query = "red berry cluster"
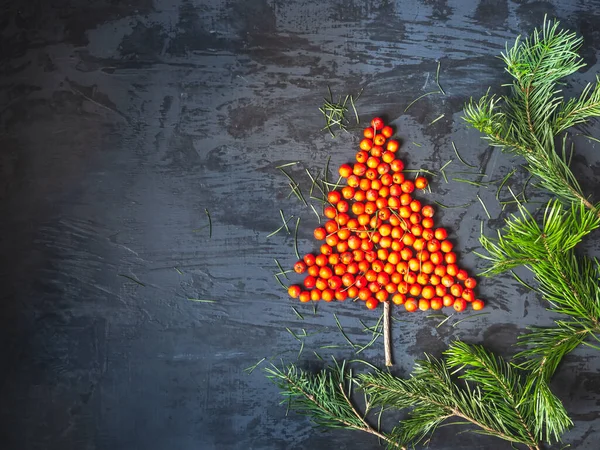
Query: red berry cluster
(380, 242)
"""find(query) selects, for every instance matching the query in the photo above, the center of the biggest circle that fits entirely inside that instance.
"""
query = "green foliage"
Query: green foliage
(567, 281)
(527, 121)
(525, 242)
(497, 399)
(321, 396)
(493, 398)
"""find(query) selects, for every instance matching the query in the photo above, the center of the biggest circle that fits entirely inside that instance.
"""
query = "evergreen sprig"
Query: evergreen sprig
(494, 398)
(497, 399)
(527, 121)
(567, 281)
(325, 397)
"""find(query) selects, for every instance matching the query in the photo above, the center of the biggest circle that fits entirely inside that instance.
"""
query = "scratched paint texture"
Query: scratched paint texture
(120, 122)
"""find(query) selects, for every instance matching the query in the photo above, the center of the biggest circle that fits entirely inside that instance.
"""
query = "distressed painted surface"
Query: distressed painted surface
(120, 122)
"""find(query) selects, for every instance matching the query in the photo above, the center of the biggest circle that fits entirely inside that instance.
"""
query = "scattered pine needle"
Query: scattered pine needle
(443, 172)
(178, 271)
(474, 183)
(284, 221)
(250, 369)
(417, 144)
(300, 316)
(484, 207)
(428, 172)
(444, 321)
(375, 334)
(287, 165)
(315, 182)
(354, 107)
(434, 316)
(513, 195)
(326, 174)
(460, 158)
(295, 187)
(468, 172)
(201, 300)
(296, 190)
(523, 193)
(506, 178)
(209, 223)
(301, 349)
(446, 165)
(420, 97)
(316, 213)
(520, 280)
(437, 78)
(441, 205)
(436, 119)
(590, 137)
(280, 282)
(368, 344)
(281, 227)
(282, 270)
(339, 325)
(469, 318)
(444, 175)
(319, 199)
(293, 334)
(296, 238)
(335, 112)
(132, 279)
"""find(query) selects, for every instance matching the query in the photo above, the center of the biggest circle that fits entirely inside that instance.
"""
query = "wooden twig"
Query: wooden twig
(387, 339)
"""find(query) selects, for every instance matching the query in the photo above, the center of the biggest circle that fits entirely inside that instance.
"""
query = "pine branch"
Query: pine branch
(528, 121)
(547, 347)
(496, 378)
(325, 397)
(537, 64)
(493, 398)
(567, 281)
(497, 405)
(525, 242)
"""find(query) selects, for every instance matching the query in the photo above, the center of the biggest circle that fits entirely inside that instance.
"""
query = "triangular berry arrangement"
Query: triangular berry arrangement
(380, 243)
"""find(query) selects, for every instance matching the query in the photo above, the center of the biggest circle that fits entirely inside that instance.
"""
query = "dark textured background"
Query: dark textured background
(121, 121)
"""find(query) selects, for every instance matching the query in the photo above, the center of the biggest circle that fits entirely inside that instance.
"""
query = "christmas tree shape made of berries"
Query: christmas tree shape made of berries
(380, 243)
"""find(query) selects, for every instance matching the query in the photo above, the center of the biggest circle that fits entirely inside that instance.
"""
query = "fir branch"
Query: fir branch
(528, 121)
(495, 399)
(525, 242)
(567, 281)
(323, 396)
(547, 346)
